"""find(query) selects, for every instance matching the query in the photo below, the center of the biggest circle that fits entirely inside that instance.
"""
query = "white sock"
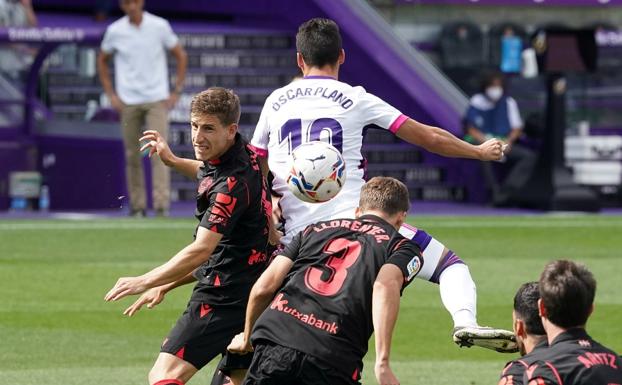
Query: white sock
(459, 295)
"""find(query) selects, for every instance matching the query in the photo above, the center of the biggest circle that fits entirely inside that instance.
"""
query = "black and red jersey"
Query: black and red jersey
(514, 370)
(324, 308)
(232, 201)
(574, 358)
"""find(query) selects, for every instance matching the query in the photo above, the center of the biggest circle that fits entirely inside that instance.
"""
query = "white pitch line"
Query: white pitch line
(439, 223)
(94, 226)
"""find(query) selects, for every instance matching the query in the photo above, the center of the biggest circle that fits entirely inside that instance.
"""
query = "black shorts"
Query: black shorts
(279, 365)
(203, 332)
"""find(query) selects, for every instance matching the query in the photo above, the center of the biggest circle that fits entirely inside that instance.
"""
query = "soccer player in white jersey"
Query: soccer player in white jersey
(320, 107)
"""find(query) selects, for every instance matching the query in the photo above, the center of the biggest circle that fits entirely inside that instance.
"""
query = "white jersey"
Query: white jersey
(319, 108)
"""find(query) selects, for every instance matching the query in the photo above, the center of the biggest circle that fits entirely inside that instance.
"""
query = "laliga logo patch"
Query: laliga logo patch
(413, 267)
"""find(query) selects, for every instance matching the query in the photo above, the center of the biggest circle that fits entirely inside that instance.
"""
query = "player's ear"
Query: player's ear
(342, 56)
(519, 328)
(300, 61)
(232, 130)
(541, 309)
(401, 217)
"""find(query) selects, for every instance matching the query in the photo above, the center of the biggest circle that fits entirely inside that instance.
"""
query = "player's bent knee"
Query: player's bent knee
(170, 368)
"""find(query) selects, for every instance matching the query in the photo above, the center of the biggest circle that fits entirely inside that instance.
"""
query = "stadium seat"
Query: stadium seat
(462, 45)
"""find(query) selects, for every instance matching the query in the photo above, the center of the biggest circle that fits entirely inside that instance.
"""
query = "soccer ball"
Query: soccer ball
(318, 172)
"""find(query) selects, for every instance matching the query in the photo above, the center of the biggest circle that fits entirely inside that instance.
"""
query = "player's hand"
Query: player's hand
(239, 345)
(492, 149)
(126, 286)
(384, 374)
(151, 297)
(116, 103)
(157, 145)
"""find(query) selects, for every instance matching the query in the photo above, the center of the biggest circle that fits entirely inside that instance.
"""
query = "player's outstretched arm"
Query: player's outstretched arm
(444, 143)
(158, 145)
(178, 267)
(385, 307)
(261, 294)
(155, 295)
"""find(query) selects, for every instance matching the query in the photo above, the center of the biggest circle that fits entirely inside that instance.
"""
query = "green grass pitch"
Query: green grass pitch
(56, 329)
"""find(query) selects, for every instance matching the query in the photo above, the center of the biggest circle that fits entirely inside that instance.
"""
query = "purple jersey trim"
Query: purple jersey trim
(319, 77)
(421, 238)
(450, 259)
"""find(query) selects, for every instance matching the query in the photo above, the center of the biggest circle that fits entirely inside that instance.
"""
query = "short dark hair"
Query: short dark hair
(385, 194)
(526, 308)
(319, 42)
(217, 101)
(567, 290)
(489, 77)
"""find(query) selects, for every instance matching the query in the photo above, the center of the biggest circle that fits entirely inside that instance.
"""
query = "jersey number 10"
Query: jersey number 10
(328, 279)
(292, 132)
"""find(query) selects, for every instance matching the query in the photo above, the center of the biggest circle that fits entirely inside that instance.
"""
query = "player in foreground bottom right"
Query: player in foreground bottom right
(567, 292)
(337, 281)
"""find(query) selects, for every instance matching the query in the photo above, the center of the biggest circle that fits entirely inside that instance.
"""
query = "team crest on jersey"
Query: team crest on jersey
(585, 343)
(413, 267)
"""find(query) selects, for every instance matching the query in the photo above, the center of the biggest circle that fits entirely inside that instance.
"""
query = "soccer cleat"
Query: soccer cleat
(502, 341)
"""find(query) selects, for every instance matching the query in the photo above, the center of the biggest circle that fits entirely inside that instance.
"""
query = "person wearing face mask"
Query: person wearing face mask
(492, 113)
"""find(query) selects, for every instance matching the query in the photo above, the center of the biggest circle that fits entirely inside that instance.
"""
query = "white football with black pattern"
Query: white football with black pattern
(318, 172)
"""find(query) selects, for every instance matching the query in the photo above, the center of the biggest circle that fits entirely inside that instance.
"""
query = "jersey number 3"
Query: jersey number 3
(328, 279)
(291, 131)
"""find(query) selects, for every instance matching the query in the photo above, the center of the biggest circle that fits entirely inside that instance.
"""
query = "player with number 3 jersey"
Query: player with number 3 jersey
(335, 283)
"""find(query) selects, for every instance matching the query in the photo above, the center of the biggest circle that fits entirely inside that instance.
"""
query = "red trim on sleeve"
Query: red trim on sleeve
(508, 366)
(180, 352)
(555, 372)
(259, 151)
(397, 123)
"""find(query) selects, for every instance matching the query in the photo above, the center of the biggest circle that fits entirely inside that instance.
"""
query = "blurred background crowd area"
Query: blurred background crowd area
(426, 57)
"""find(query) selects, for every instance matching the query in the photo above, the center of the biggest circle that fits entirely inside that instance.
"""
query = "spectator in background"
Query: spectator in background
(139, 41)
(567, 292)
(494, 114)
(16, 58)
(17, 13)
(530, 334)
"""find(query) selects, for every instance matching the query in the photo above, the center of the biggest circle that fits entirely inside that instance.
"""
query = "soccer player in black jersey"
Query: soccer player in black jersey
(335, 283)
(573, 358)
(229, 249)
(530, 334)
